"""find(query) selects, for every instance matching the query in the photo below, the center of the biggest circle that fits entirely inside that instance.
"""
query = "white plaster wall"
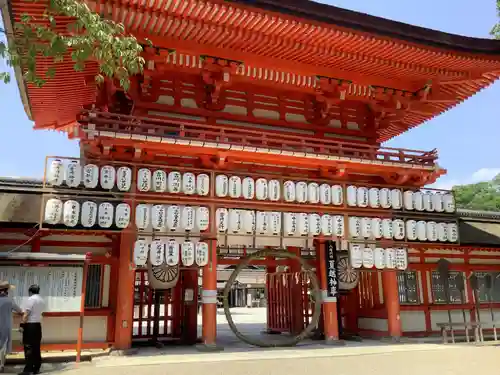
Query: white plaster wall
(485, 315)
(412, 321)
(373, 324)
(442, 317)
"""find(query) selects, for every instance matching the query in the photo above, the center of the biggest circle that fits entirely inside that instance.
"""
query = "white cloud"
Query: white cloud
(483, 174)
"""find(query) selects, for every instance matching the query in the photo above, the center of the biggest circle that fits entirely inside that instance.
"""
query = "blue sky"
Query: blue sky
(467, 137)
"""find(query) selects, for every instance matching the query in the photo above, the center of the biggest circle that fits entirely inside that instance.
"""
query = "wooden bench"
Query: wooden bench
(450, 327)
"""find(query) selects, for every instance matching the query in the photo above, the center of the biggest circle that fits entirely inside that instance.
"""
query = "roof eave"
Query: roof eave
(21, 84)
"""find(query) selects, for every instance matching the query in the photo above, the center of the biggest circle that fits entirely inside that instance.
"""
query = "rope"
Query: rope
(316, 294)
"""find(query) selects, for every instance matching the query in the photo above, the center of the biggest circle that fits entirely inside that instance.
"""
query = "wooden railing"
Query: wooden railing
(249, 139)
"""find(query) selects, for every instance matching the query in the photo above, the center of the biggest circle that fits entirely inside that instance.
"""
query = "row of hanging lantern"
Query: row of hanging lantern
(169, 252)
(107, 177)
(172, 218)
(237, 221)
(409, 200)
(366, 227)
(379, 258)
(87, 214)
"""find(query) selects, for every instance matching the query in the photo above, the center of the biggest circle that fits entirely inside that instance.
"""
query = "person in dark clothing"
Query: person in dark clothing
(32, 331)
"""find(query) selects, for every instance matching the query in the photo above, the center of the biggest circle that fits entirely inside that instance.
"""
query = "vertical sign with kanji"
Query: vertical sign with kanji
(331, 269)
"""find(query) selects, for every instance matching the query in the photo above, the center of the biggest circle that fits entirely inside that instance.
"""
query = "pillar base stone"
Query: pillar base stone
(334, 342)
(209, 348)
(394, 340)
(123, 352)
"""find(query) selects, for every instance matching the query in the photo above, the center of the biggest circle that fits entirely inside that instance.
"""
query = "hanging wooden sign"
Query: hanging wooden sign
(331, 269)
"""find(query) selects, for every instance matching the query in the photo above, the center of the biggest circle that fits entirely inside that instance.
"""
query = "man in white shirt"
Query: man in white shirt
(32, 331)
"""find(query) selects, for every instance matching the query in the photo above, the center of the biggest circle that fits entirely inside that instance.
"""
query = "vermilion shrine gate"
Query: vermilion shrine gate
(256, 131)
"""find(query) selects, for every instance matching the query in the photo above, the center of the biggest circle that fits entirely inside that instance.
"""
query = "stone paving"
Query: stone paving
(367, 358)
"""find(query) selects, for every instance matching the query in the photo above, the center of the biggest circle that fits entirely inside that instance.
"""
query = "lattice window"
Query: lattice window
(408, 287)
(93, 295)
(485, 295)
(438, 288)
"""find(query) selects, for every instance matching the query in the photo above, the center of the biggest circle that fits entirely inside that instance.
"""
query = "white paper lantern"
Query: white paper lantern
(189, 183)
(290, 223)
(90, 176)
(71, 213)
(338, 226)
(449, 203)
(274, 190)
(301, 192)
(188, 218)
(354, 226)
(122, 215)
(261, 192)
(325, 194)
(368, 258)
(221, 186)
(141, 252)
(303, 223)
(385, 198)
(432, 231)
(421, 230)
(327, 225)
(55, 173)
(144, 180)
(427, 200)
(379, 258)
(142, 216)
(387, 231)
(401, 258)
(172, 253)
(248, 188)
(157, 252)
(396, 199)
(89, 214)
(313, 193)
(376, 225)
(437, 202)
(187, 253)
(275, 223)
(411, 230)
(73, 174)
(173, 218)
(174, 182)
(442, 230)
(337, 195)
(390, 258)
(362, 197)
(352, 196)
(202, 217)
(289, 191)
(408, 200)
(106, 213)
(374, 197)
(314, 224)
(398, 229)
(418, 201)
(262, 222)
(235, 221)
(248, 218)
(222, 219)
(124, 178)
(159, 217)
(202, 184)
(234, 186)
(452, 232)
(159, 181)
(108, 177)
(201, 254)
(366, 227)
(356, 256)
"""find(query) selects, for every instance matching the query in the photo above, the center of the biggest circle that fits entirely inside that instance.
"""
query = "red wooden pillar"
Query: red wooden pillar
(209, 297)
(391, 299)
(190, 327)
(297, 306)
(271, 315)
(125, 296)
(330, 316)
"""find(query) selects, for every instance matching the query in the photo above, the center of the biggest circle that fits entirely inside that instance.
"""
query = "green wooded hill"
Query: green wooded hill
(481, 196)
